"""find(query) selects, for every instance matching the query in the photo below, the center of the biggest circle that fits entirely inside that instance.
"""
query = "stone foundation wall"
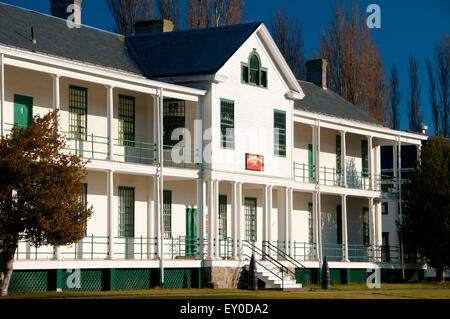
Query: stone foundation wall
(225, 277)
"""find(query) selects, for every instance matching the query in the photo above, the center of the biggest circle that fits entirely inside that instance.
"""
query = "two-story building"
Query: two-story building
(203, 149)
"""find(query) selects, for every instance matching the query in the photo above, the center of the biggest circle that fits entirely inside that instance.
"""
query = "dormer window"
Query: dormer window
(252, 71)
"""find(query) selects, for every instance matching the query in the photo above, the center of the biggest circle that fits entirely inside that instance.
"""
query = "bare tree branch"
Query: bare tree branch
(394, 99)
(213, 13)
(287, 34)
(127, 12)
(415, 114)
(170, 10)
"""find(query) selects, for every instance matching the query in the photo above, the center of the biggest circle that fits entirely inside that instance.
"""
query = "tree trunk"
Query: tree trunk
(6, 269)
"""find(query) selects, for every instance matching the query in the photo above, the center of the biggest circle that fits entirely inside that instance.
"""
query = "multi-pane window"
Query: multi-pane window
(126, 211)
(77, 112)
(250, 219)
(279, 126)
(338, 153)
(339, 224)
(365, 158)
(366, 231)
(310, 163)
(126, 120)
(167, 213)
(384, 208)
(222, 216)
(174, 117)
(310, 222)
(227, 123)
(252, 72)
(83, 202)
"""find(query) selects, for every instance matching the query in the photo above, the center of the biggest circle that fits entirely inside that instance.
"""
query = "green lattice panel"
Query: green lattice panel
(28, 281)
(90, 280)
(178, 278)
(130, 279)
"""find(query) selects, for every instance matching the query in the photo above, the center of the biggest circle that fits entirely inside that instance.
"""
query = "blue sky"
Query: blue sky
(407, 28)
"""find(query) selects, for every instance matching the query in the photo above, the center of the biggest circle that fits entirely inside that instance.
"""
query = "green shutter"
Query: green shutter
(126, 211)
(384, 208)
(279, 126)
(244, 70)
(365, 159)
(174, 117)
(227, 123)
(222, 216)
(77, 112)
(250, 219)
(310, 163)
(167, 213)
(339, 224)
(366, 236)
(83, 201)
(126, 120)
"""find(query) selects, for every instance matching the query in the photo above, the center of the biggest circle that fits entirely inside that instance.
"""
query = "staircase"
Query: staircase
(270, 270)
(273, 276)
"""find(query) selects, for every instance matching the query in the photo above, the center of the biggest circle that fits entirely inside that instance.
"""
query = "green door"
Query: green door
(191, 232)
(23, 110)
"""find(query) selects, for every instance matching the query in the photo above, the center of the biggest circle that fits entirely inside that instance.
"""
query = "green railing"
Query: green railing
(304, 250)
(331, 176)
(304, 172)
(135, 247)
(87, 145)
(183, 247)
(335, 177)
(134, 151)
(179, 156)
(226, 247)
(333, 252)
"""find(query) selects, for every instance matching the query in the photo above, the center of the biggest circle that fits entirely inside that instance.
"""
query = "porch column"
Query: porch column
(157, 217)
(2, 95)
(269, 213)
(210, 219)
(201, 191)
(234, 219)
(215, 212)
(395, 164)
(150, 218)
(110, 115)
(239, 218)
(56, 106)
(372, 227)
(344, 226)
(290, 208)
(112, 214)
(264, 217)
(343, 155)
(370, 162)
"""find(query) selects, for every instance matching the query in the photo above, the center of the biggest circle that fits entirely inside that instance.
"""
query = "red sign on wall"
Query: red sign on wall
(254, 162)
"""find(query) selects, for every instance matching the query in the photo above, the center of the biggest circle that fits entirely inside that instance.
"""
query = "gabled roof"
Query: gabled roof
(85, 44)
(325, 101)
(190, 52)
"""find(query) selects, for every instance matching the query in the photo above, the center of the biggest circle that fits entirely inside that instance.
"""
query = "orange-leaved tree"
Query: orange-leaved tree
(40, 188)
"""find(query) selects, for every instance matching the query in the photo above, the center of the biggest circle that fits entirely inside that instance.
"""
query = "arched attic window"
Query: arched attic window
(252, 71)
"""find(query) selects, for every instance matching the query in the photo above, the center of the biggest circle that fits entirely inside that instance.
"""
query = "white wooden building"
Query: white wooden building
(296, 178)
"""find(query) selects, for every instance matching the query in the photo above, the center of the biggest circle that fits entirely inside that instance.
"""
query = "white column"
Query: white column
(110, 115)
(150, 218)
(344, 226)
(343, 155)
(157, 217)
(370, 161)
(290, 208)
(269, 213)
(210, 219)
(286, 218)
(112, 214)
(234, 219)
(395, 164)
(264, 216)
(372, 226)
(201, 189)
(215, 212)
(239, 217)
(198, 135)
(56, 92)
(2, 95)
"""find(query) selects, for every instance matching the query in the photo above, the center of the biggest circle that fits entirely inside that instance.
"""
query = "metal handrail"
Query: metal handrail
(278, 251)
(269, 270)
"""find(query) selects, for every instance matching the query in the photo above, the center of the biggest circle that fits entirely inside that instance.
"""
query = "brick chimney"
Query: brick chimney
(316, 72)
(60, 9)
(153, 26)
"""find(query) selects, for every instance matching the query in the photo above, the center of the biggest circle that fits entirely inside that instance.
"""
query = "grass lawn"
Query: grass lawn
(350, 291)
